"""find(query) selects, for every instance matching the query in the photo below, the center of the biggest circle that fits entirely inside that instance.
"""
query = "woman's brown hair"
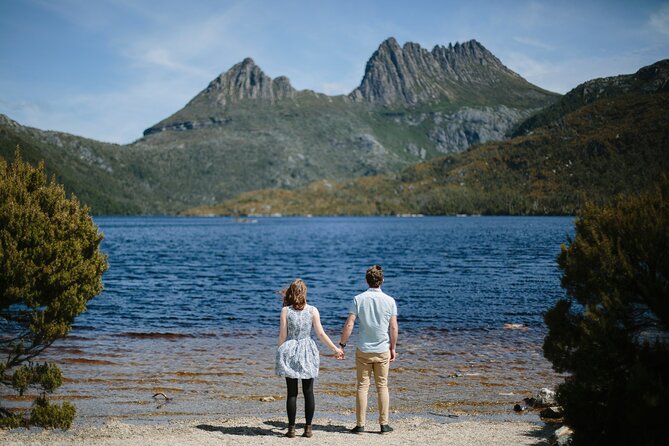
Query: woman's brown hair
(295, 295)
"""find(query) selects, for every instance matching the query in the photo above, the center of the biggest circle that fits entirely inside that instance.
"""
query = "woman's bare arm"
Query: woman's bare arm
(318, 328)
(283, 326)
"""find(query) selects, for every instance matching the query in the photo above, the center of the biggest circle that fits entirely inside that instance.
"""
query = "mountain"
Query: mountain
(246, 131)
(648, 80)
(98, 173)
(615, 141)
(466, 74)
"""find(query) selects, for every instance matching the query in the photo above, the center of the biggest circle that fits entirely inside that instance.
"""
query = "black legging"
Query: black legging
(309, 402)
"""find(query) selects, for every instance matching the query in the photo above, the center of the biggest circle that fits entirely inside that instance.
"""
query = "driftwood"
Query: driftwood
(448, 415)
(167, 398)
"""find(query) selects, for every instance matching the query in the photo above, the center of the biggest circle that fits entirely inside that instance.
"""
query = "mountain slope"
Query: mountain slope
(648, 80)
(246, 131)
(615, 144)
(96, 172)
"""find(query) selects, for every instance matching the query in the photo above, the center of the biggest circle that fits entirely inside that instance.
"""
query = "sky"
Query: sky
(108, 69)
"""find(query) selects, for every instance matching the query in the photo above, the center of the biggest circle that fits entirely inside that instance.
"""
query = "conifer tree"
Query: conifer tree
(611, 336)
(50, 267)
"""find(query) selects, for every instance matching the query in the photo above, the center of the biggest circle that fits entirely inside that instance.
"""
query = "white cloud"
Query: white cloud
(534, 43)
(118, 116)
(565, 74)
(525, 65)
(335, 88)
(659, 20)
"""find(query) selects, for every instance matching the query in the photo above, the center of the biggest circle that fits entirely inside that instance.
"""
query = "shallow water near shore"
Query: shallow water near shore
(190, 310)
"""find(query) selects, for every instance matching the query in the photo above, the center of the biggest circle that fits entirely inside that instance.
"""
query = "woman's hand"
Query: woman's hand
(339, 353)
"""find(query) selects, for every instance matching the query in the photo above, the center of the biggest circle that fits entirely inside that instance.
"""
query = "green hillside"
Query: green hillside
(610, 146)
(96, 172)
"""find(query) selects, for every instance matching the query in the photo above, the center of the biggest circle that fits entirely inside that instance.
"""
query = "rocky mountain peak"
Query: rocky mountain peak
(246, 80)
(411, 74)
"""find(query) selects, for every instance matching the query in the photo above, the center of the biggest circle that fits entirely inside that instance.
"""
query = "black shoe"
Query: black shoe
(386, 429)
(357, 430)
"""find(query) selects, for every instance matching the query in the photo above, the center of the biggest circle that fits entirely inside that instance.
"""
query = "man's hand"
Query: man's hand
(393, 354)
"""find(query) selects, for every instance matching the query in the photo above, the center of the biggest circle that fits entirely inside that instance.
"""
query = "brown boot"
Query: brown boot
(291, 431)
(307, 431)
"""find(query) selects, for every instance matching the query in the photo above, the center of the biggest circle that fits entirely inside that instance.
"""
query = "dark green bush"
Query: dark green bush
(47, 415)
(50, 267)
(612, 333)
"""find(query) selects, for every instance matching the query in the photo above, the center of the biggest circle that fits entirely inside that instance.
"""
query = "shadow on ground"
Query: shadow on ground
(279, 428)
(316, 427)
(239, 430)
(543, 433)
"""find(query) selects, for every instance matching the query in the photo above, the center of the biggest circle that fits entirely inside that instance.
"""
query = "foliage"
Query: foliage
(48, 376)
(10, 421)
(612, 333)
(50, 267)
(47, 415)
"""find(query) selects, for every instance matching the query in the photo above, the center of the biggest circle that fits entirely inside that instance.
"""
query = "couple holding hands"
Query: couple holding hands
(297, 356)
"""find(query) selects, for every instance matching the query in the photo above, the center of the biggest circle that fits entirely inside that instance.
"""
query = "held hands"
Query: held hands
(339, 353)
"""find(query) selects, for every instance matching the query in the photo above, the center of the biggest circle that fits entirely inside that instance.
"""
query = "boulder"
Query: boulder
(544, 398)
(562, 436)
(551, 413)
(529, 401)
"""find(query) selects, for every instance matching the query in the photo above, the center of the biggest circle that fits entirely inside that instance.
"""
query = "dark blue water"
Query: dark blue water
(190, 308)
(194, 275)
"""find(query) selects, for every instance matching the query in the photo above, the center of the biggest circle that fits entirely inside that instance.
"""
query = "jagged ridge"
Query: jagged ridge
(411, 74)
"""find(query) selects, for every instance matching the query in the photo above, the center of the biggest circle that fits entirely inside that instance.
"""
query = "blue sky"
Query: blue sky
(108, 69)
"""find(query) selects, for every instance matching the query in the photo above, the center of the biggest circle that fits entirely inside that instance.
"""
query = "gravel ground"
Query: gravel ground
(253, 431)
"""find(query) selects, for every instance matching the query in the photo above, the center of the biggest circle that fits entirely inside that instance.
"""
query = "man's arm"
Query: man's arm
(394, 331)
(348, 328)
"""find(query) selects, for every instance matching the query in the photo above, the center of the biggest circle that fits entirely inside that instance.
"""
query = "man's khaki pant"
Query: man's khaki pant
(365, 364)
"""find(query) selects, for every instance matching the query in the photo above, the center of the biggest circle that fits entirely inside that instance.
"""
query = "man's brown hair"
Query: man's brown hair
(374, 276)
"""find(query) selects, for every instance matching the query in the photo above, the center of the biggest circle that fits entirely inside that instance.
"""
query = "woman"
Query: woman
(297, 355)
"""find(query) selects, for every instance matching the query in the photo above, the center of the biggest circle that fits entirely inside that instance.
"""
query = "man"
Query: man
(377, 312)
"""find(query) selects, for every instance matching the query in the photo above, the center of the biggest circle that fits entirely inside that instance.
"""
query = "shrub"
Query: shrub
(47, 415)
(50, 267)
(611, 335)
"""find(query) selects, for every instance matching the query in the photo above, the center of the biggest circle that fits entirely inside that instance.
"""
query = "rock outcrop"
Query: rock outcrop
(246, 80)
(410, 75)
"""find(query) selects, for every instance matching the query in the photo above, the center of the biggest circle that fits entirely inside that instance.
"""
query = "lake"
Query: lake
(190, 309)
